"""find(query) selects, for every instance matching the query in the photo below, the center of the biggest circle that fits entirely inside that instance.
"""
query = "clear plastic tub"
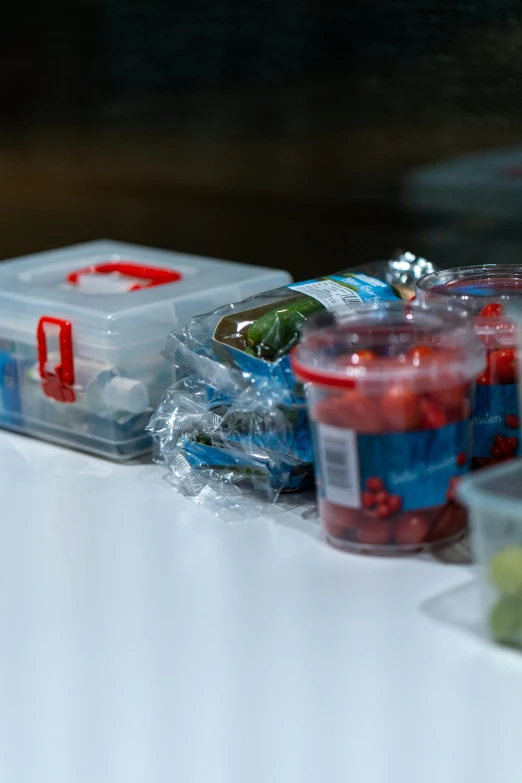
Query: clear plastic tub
(494, 500)
(489, 292)
(390, 397)
(81, 330)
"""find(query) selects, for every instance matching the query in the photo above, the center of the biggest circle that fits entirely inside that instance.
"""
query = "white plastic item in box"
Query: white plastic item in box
(81, 330)
(494, 500)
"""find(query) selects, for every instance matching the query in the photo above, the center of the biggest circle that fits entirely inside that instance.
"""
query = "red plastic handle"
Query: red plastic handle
(56, 384)
(153, 274)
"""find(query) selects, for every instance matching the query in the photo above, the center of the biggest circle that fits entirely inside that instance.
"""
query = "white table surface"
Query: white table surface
(145, 640)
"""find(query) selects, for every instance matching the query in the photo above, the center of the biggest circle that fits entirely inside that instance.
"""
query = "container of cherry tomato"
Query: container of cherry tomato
(390, 398)
(489, 293)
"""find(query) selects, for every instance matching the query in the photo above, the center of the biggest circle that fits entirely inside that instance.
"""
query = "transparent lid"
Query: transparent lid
(386, 342)
(473, 286)
(491, 292)
(119, 293)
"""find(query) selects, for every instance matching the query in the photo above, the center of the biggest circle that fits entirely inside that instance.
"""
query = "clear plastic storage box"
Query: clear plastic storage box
(494, 500)
(81, 330)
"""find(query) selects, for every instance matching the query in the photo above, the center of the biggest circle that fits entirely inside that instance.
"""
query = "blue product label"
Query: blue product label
(341, 290)
(415, 468)
(496, 421)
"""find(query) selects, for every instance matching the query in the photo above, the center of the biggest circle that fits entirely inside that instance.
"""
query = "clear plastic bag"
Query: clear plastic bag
(233, 431)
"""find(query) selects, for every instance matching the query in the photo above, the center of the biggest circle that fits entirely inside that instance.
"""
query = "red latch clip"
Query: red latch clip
(153, 274)
(57, 383)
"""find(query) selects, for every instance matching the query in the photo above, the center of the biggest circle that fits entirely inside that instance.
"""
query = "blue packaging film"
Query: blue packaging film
(240, 466)
(415, 466)
(495, 408)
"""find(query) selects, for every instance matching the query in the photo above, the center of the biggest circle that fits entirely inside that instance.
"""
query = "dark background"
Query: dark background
(268, 132)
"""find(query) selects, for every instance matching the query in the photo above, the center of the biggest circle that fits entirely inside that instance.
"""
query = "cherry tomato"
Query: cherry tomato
(496, 334)
(374, 484)
(500, 441)
(512, 421)
(462, 459)
(395, 503)
(502, 366)
(420, 353)
(339, 520)
(381, 497)
(361, 357)
(485, 378)
(375, 532)
(351, 410)
(451, 521)
(492, 310)
(368, 500)
(452, 397)
(362, 413)
(383, 510)
(496, 452)
(411, 529)
(401, 408)
(433, 415)
(511, 444)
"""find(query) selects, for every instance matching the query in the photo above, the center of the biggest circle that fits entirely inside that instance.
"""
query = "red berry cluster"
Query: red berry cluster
(376, 497)
(504, 448)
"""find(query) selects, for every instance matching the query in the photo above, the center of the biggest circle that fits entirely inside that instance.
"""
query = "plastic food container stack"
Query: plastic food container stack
(390, 398)
(494, 500)
(81, 330)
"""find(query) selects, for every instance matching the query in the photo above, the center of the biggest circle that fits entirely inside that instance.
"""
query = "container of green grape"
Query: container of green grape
(494, 501)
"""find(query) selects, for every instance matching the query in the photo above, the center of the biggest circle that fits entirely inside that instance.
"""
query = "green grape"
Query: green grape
(505, 619)
(505, 570)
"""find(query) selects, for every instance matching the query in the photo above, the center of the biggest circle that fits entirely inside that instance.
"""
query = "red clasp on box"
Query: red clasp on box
(58, 382)
(152, 274)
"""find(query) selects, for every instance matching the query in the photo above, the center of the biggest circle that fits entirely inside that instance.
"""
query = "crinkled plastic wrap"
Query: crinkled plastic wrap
(233, 431)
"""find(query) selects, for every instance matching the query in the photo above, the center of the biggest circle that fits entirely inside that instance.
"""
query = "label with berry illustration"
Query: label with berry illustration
(393, 472)
(496, 422)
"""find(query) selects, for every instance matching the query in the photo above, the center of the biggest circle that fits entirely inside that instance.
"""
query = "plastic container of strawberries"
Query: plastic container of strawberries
(390, 395)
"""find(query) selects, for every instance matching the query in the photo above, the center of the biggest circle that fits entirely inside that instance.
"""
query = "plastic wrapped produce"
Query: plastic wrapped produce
(236, 419)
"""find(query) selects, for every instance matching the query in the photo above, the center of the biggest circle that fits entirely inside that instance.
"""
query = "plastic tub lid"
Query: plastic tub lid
(389, 330)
